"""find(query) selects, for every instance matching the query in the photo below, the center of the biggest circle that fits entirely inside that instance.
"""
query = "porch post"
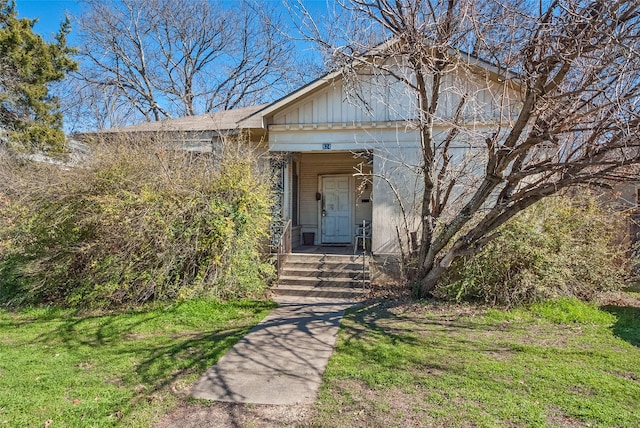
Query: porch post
(278, 162)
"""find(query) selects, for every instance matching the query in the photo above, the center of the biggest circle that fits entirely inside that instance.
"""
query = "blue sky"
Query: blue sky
(51, 13)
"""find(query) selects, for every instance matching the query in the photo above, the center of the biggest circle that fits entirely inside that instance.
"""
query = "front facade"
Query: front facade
(351, 154)
(333, 148)
(347, 152)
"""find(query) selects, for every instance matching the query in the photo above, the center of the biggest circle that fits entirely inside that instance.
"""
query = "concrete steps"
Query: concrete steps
(332, 276)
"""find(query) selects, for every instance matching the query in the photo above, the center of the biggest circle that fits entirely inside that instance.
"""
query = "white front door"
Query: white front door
(336, 210)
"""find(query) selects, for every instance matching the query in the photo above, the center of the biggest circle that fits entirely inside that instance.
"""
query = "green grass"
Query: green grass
(100, 370)
(562, 363)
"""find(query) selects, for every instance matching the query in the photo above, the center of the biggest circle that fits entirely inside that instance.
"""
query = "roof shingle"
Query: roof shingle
(219, 121)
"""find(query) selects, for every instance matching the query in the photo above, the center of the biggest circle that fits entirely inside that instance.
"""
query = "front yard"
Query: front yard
(400, 364)
(562, 363)
(60, 369)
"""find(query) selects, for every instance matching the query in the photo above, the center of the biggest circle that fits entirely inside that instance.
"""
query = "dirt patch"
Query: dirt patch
(366, 407)
(549, 336)
(500, 353)
(360, 406)
(556, 417)
(388, 289)
(227, 415)
(627, 375)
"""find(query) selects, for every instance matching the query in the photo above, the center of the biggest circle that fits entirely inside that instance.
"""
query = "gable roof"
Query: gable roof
(330, 77)
(226, 120)
(310, 87)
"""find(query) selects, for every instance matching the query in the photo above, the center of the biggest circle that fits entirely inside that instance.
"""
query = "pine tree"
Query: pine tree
(30, 116)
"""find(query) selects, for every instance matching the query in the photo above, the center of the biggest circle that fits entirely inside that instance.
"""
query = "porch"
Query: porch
(327, 197)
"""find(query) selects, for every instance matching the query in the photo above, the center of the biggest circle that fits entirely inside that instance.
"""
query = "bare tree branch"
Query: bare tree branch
(180, 58)
(513, 104)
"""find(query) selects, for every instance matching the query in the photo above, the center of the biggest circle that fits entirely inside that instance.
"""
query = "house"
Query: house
(352, 150)
(195, 133)
(346, 147)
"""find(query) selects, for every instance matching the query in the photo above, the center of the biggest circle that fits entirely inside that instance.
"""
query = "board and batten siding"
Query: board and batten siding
(384, 99)
(335, 104)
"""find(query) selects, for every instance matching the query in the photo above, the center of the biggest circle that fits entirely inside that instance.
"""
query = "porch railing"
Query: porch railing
(283, 249)
(366, 234)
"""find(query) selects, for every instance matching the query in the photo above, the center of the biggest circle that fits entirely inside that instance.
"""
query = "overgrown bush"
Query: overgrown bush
(562, 246)
(134, 223)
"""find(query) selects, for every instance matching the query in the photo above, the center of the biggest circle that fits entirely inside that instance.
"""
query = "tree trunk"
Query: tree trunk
(429, 282)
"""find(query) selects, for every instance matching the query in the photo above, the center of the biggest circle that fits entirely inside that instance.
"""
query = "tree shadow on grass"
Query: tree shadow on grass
(160, 358)
(470, 360)
(378, 324)
(627, 326)
(380, 316)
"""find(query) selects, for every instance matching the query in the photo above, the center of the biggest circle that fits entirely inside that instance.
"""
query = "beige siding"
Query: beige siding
(336, 104)
(395, 164)
(314, 165)
(625, 194)
(384, 99)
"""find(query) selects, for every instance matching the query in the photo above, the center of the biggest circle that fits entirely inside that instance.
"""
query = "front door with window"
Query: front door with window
(336, 210)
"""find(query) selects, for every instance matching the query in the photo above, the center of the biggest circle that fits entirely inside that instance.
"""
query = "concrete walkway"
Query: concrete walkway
(282, 359)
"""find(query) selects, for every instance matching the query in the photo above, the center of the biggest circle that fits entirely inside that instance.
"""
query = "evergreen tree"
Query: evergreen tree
(30, 117)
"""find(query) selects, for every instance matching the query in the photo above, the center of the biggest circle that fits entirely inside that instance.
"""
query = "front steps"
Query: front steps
(333, 276)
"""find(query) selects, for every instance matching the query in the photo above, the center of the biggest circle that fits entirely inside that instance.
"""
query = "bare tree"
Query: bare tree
(511, 103)
(175, 58)
(88, 106)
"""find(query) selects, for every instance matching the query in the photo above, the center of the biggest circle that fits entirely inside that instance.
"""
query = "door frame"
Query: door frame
(352, 210)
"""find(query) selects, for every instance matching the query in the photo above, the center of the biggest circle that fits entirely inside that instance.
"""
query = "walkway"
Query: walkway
(282, 359)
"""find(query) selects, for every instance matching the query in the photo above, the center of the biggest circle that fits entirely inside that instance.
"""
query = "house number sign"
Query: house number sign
(326, 146)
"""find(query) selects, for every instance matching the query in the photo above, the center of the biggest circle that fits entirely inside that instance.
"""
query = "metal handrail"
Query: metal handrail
(284, 247)
(364, 254)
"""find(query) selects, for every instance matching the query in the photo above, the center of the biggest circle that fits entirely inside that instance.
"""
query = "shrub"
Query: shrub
(135, 223)
(562, 246)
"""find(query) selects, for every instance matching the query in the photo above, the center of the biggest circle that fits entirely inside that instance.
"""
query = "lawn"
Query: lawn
(562, 363)
(404, 364)
(62, 369)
